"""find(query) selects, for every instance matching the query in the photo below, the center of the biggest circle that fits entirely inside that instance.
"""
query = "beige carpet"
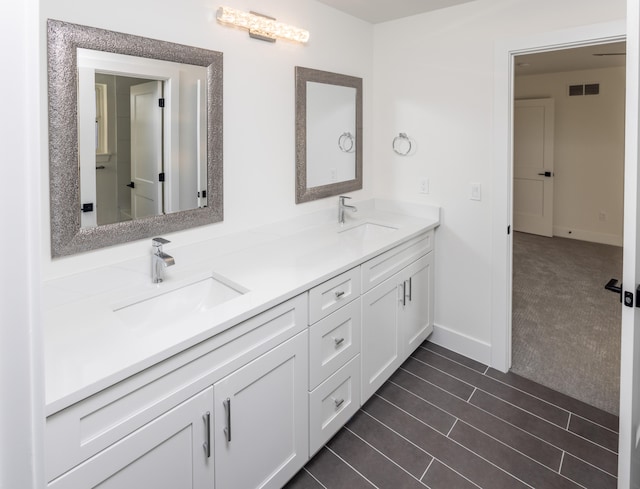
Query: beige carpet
(566, 326)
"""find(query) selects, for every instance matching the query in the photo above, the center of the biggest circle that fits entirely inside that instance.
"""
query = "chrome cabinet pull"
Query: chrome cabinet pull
(338, 402)
(207, 426)
(410, 289)
(404, 293)
(339, 294)
(227, 429)
(338, 341)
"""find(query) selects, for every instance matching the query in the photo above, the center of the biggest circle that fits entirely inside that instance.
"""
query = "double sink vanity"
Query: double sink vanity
(254, 350)
(228, 363)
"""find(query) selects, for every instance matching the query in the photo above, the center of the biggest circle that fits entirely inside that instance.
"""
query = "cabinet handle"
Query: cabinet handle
(404, 293)
(207, 426)
(339, 294)
(338, 402)
(227, 409)
(410, 289)
(338, 341)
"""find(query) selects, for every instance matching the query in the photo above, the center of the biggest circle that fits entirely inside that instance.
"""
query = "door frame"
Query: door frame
(502, 175)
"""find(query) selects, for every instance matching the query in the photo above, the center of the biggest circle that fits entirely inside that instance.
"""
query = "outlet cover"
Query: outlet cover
(424, 185)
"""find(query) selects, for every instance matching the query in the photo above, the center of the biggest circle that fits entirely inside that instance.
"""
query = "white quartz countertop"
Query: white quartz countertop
(89, 347)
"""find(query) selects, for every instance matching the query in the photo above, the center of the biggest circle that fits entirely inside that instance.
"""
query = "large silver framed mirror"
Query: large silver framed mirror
(135, 137)
(328, 134)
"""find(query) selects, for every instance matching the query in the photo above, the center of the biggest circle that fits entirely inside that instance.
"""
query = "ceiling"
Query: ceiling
(376, 11)
(582, 58)
(571, 59)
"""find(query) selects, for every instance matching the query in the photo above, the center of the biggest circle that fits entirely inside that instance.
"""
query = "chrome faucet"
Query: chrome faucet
(159, 260)
(342, 206)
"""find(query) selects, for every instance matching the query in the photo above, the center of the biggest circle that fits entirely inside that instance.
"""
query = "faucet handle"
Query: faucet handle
(158, 242)
(342, 197)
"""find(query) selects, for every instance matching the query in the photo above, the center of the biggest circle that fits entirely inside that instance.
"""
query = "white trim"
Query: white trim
(585, 235)
(502, 168)
(463, 344)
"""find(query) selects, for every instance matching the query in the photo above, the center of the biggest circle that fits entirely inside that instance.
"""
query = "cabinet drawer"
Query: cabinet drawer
(89, 426)
(333, 294)
(333, 403)
(380, 268)
(333, 342)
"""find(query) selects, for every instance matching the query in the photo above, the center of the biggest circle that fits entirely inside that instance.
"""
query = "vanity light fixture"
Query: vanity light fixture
(260, 26)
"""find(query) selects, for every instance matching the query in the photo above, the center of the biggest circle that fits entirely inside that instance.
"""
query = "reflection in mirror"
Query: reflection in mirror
(141, 123)
(331, 125)
(135, 137)
(328, 134)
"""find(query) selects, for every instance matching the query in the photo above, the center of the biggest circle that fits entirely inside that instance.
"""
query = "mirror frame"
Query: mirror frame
(304, 75)
(67, 236)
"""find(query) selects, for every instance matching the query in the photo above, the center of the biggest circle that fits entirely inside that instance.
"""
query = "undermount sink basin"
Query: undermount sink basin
(173, 305)
(367, 231)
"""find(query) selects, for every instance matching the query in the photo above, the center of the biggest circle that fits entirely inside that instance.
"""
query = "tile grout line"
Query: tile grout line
(507, 422)
(561, 462)
(474, 391)
(568, 422)
(383, 454)
(313, 477)
(427, 469)
(452, 426)
(351, 466)
(429, 453)
(486, 367)
(513, 387)
(457, 443)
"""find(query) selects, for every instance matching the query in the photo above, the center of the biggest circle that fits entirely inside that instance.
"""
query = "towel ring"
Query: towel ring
(403, 139)
(346, 142)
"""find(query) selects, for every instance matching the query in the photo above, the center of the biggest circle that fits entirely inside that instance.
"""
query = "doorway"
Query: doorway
(565, 326)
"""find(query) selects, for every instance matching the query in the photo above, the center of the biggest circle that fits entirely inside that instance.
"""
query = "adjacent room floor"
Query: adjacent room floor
(566, 326)
(446, 422)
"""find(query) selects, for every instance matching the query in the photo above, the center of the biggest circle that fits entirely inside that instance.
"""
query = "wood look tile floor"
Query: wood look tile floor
(444, 421)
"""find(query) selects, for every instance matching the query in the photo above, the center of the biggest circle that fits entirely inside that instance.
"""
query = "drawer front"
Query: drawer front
(87, 427)
(333, 342)
(333, 294)
(380, 268)
(333, 403)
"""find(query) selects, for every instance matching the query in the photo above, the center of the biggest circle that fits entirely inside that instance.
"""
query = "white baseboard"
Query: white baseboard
(461, 343)
(602, 238)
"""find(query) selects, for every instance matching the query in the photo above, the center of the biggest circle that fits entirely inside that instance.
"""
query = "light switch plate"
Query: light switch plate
(476, 191)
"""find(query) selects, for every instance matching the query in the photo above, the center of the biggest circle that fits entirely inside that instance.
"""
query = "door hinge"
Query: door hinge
(161, 102)
(87, 207)
(161, 177)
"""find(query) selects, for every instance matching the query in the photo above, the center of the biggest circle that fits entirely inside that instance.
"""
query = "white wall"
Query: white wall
(21, 365)
(433, 79)
(259, 151)
(589, 152)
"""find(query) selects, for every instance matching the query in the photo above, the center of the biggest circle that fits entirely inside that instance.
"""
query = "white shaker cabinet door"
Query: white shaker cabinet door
(261, 419)
(381, 349)
(168, 453)
(417, 309)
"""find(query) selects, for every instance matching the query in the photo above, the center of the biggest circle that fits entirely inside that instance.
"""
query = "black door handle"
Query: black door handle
(546, 174)
(613, 286)
(131, 185)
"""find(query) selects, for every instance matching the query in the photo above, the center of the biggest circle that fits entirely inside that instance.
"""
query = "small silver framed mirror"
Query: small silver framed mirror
(328, 134)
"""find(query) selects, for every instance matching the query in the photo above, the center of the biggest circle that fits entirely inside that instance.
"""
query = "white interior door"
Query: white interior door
(146, 149)
(629, 452)
(533, 122)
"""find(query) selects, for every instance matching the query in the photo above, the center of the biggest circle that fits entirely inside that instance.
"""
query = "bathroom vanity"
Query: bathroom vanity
(250, 355)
